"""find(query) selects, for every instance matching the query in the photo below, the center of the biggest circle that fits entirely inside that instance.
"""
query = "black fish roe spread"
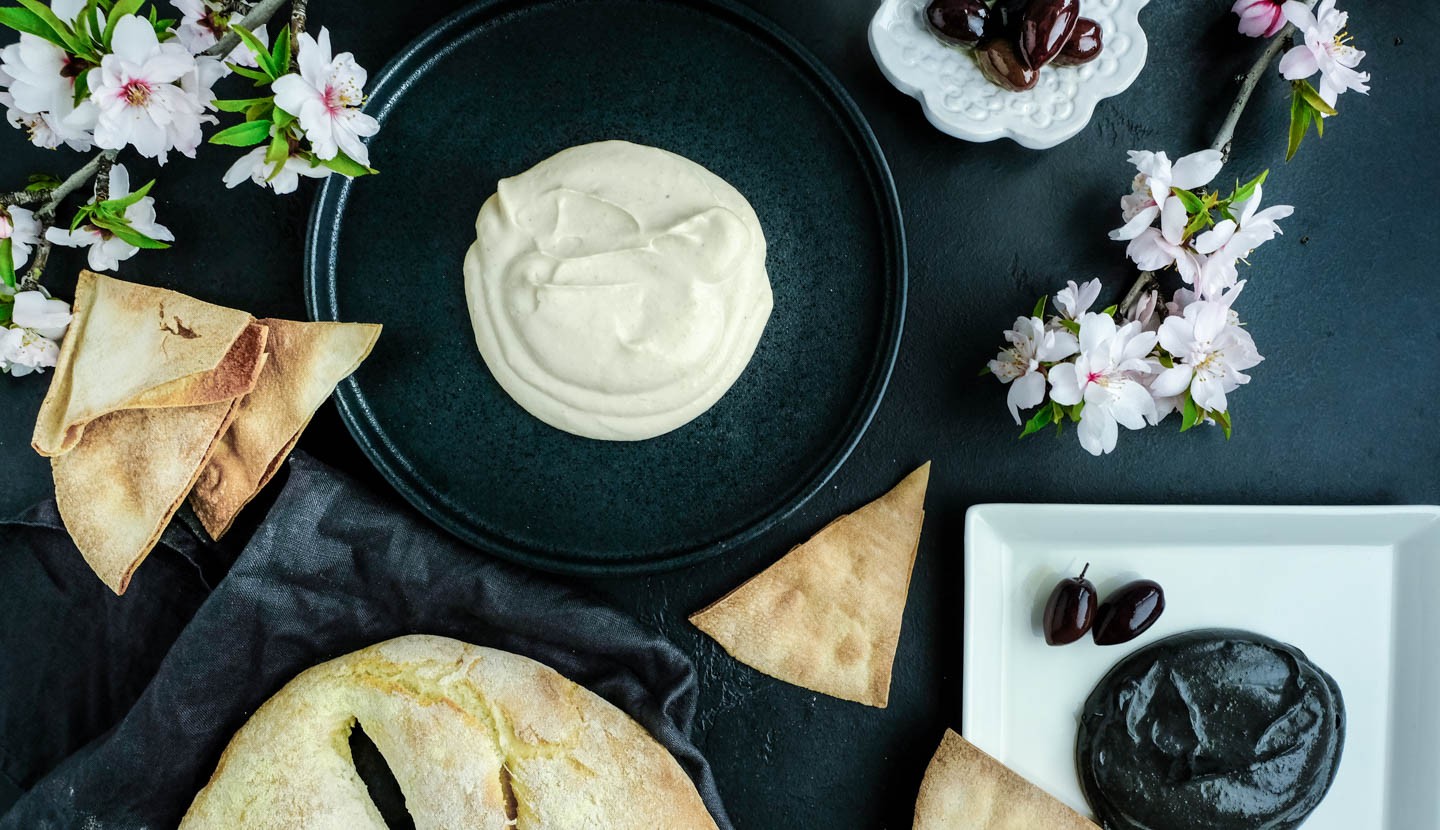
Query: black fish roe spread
(1210, 730)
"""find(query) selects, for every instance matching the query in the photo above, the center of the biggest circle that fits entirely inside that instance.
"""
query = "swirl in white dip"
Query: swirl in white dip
(616, 290)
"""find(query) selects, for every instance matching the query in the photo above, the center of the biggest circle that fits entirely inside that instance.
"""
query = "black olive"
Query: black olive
(1085, 44)
(1128, 613)
(1005, 18)
(1070, 610)
(961, 22)
(1045, 28)
(1000, 64)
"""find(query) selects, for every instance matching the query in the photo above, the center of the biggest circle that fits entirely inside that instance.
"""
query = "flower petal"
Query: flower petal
(1025, 393)
(1144, 219)
(1171, 382)
(1065, 385)
(1196, 169)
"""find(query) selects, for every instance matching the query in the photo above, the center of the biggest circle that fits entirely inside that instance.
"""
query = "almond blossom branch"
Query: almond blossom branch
(1142, 286)
(1280, 42)
(98, 165)
(258, 16)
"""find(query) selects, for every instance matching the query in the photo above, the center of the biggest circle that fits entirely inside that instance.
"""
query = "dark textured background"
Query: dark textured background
(1344, 307)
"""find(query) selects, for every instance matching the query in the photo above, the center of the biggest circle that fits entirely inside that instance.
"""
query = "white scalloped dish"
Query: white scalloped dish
(959, 101)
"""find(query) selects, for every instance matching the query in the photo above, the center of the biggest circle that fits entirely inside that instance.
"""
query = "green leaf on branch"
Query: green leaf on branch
(41, 181)
(1223, 419)
(278, 151)
(7, 310)
(243, 135)
(260, 78)
(120, 9)
(82, 86)
(283, 119)
(281, 54)
(1244, 192)
(1312, 97)
(262, 52)
(1110, 310)
(1043, 417)
(1301, 114)
(1040, 307)
(7, 263)
(125, 233)
(1071, 326)
(1191, 414)
(346, 166)
(124, 203)
(71, 41)
(1193, 203)
(29, 23)
(1074, 411)
(240, 104)
(1198, 223)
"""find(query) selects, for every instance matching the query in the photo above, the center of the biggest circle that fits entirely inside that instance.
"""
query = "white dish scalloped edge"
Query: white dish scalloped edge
(959, 101)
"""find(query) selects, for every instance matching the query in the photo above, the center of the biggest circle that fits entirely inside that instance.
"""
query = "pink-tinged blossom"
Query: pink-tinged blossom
(326, 97)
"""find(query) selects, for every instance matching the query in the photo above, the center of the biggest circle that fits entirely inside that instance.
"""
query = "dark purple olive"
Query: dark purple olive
(1000, 65)
(1085, 44)
(1005, 18)
(1070, 610)
(1128, 613)
(961, 22)
(1045, 28)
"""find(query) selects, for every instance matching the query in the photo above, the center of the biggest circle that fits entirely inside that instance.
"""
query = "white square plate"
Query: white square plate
(1355, 588)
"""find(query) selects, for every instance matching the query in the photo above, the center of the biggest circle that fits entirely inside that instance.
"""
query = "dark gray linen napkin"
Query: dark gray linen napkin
(331, 569)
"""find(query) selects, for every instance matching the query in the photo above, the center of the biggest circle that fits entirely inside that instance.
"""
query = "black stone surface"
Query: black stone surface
(1343, 306)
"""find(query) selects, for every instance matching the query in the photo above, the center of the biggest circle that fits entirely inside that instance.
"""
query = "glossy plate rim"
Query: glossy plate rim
(320, 285)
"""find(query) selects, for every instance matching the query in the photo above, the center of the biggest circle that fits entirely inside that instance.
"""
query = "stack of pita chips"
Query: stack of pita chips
(827, 615)
(156, 393)
(964, 787)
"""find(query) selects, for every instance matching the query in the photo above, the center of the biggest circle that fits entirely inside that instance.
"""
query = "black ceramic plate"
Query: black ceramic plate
(501, 86)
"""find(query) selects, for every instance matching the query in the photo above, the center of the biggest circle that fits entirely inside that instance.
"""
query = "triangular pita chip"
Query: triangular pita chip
(133, 346)
(965, 788)
(306, 361)
(129, 474)
(827, 615)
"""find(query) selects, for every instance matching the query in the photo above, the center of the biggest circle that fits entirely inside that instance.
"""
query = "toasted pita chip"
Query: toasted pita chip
(133, 346)
(306, 361)
(119, 487)
(827, 615)
(964, 787)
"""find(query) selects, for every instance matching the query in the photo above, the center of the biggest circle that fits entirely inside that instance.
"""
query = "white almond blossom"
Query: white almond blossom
(1259, 18)
(1211, 354)
(203, 23)
(326, 96)
(20, 226)
(1074, 301)
(1106, 377)
(1144, 312)
(1233, 240)
(1155, 182)
(107, 251)
(1156, 248)
(1019, 364)
(254, 167)
(138, 90)
(32, 343)
(1326, 50)
(40, 94)
(22, 351)
(42, 314)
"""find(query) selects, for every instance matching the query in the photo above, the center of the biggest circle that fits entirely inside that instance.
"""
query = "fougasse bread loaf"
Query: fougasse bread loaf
(475, 737)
